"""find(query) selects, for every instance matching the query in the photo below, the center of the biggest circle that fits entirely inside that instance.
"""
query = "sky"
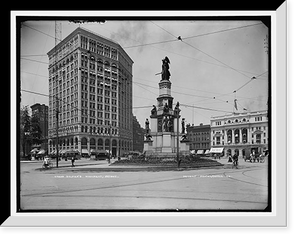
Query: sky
(214, 59)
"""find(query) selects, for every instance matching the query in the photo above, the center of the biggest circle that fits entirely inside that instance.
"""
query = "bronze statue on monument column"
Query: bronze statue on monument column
(165, 73)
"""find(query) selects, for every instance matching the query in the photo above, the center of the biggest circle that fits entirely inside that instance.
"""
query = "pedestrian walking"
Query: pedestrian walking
(230, 158)
(73, 161)
(235, 159)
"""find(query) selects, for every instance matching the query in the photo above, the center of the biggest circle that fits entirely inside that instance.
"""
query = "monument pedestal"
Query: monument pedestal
(185, 147)
(166, 142)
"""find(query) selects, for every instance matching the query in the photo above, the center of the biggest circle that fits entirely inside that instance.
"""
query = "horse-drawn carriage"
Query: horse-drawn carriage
(254, 156)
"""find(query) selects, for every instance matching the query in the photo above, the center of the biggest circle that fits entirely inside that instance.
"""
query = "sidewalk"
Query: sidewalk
(103, 165)
(241, 162)
(83, 162)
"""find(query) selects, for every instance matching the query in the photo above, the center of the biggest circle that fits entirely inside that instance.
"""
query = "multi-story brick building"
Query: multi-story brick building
(42, 112)
(138, 136)
(237, 132)
(199, 137)
(90, 83)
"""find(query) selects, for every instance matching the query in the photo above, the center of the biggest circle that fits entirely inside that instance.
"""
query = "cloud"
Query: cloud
(132, 33)
(258, 104)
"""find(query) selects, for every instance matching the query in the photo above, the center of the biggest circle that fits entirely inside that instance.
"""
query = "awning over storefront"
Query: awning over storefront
(216, 150)
(41, 152)
(84, 150)
(34, 151)
(200, 152)
(192, 151)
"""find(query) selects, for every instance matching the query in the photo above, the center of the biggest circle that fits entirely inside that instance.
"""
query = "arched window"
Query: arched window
(237, 135)
(244, 135)
(107, 144)
(84, 143)
(92, 143)
(114, 66)
(100, 143)
(229, 136)
(237, 152)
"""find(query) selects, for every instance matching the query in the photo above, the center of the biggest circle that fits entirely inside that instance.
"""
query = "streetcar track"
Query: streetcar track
(106, 187)
(239, 180)
(155, 197)
(137, 184)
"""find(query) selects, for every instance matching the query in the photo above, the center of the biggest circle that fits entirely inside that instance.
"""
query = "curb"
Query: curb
(144, 168)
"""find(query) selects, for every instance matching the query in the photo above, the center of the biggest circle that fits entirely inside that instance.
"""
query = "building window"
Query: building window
(218, 123)
(237, 135)
(229, 136)
(244, 135)
(258, 138)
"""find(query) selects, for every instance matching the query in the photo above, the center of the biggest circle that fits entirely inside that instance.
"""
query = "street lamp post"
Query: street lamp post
(109, 143)
(177, 111)
(57, 106)
(178, 139)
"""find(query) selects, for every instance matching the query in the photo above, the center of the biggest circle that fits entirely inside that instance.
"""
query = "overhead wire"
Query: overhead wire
(23, 24)
(189, 37)
(160, 42)
(224, 30)
(235, 99)
(253, 78)
(174, 41)
(234, 69)
(137, 84)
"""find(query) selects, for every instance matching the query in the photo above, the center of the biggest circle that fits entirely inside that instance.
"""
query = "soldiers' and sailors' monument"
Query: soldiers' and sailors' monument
(162, 132)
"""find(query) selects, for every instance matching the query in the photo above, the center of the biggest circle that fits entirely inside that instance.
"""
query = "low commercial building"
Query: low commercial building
(199, 137)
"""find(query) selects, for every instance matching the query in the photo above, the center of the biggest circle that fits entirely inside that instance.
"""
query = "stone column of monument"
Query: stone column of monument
(163, 119)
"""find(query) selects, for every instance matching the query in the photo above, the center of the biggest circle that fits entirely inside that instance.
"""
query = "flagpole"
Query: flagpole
(234, 102)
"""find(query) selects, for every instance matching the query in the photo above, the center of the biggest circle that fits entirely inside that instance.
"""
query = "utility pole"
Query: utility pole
(109, 142)
(178, 139)
(57, 107)
(177, 111)
(57, 40)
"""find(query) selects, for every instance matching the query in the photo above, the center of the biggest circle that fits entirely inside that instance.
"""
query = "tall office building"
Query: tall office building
(90, 84)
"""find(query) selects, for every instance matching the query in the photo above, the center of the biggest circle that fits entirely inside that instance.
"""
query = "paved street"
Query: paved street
(90, 186)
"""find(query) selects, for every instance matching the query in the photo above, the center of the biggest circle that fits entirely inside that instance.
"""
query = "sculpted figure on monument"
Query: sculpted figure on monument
(176, 109)
(184, 138)
(147, 126)
(147, 135)
(165, 73)
(182, 126)
(165, 123)
(166, 108)
(170, 125)
(154, 110)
